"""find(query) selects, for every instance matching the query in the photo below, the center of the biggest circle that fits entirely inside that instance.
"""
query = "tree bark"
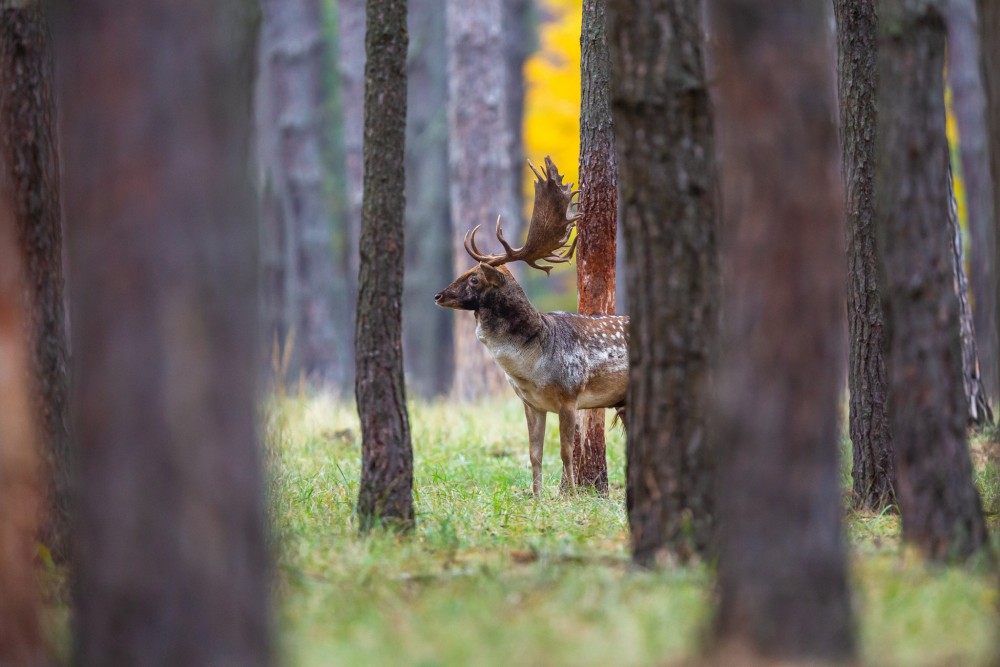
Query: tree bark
(989, 57)
(291, 100)
(969, 106)
(479, 164)
(781, 567)
(664, 126)
(519, 44)
(940, 507)
(597, 229)
(867, 379)
(171, 566)
(386, 452)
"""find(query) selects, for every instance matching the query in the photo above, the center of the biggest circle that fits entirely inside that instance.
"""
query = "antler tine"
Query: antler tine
(541, 178)
(506, 246)
(474, 250)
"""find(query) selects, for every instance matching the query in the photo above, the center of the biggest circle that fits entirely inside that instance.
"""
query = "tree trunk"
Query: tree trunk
(519, 44)
(171, 563)
(387, 459)
(479, 161)
(989, 57)
(597, 229)
(969, 106)
(938, 501)
(291, 101)
(351, 25)
(427, 343)
(781, 566)
(867, 378)
(664, 126)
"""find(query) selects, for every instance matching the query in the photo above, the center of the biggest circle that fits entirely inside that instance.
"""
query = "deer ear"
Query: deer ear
(493, 276)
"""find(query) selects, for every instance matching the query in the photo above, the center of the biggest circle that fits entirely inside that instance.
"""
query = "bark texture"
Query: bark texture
(298, 269)
(940, 507)
(781, 565)
(969, 107)
(28, 116)
(171, 566)
(597, 229)
(872, 471)
(664, 125)
(479, 164)
(386, 493)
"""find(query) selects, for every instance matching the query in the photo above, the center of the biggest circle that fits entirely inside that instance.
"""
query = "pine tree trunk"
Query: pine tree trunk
(664, 127)
(939, 505)
(597, 229)
(171, 564)
(480, 170)
(781, 568)
(386, 452)
(290, 127)
(867, 379)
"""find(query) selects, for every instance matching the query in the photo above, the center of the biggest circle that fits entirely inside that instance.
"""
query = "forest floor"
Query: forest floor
(492, 577)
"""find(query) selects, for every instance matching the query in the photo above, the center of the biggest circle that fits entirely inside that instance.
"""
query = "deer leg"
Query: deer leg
(536, 440)
(567, 431)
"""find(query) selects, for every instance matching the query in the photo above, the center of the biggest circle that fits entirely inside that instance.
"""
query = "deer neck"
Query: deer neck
(506, 319)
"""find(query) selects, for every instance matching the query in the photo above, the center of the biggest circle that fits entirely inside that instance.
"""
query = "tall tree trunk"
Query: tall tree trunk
(597, 229)
(989, 57)
(479, 159)
(386, 453)
(938, 501)
(867, 379)
(290, 107)
(20, 632)
(781, 567)
(969, 106)
(427, 337)
(663, 120)
(171, 563)
(519, 44)
(351, 25)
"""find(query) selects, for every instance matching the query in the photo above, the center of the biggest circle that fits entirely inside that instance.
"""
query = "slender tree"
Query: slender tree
(664, 126)
(479, 159)
(387, 458)
(171, 566)
(781, 565)
(351, 49)
(989, 28)
(597, 229)
(938, 501)
(27, 114)
(867, 378)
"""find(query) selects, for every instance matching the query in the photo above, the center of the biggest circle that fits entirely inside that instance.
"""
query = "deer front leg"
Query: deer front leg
(567, 431)
(536, 440)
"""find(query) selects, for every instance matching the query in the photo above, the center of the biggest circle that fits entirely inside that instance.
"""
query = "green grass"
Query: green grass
(490, 576)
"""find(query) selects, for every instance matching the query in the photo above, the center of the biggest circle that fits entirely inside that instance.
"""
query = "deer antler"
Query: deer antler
(549, 230)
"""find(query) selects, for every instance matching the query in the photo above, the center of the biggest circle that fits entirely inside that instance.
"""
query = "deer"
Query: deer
(556, 362)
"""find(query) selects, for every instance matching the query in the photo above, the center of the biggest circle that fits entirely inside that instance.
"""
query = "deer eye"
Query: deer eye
(474, 280)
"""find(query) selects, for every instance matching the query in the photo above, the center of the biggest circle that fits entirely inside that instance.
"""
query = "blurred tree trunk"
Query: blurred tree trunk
(427, 342)
(21, 641)
(969, 106)
(291, 100)
(597, 229)
(479, 165)
(27, 114)
(989, 58)
(351, 26)
(871, 436)
(519, 43)
(387, 459)
(939, 504)
(663, 120)
(782, 583)
(172, 567)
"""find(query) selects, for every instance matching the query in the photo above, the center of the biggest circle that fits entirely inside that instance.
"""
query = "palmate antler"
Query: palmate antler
(549, 230)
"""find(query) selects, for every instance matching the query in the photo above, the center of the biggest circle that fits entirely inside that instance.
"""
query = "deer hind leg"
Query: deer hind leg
(567, 431)
(536, 440)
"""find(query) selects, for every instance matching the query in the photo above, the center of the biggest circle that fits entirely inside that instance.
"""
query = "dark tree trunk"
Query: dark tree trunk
(781, 566)
(387, 458)
(479, 165)
(597, 229)
(21, 640)
(171, 563)
(969, 105)
(300, 274)
(664, 127)
(867, 377)
(938, 501)
(989, 28)
(27, 114)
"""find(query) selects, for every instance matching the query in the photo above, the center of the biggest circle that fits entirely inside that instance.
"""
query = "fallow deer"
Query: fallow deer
(557, 362)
